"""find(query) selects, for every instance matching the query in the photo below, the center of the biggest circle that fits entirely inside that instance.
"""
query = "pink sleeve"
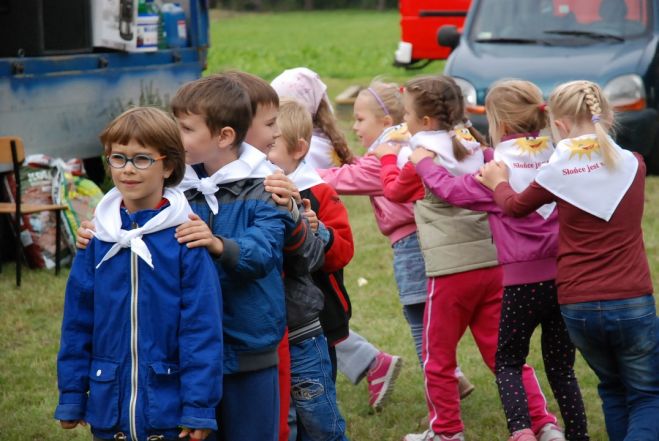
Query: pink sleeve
(462, 191)
(362, 177)
(488, 154)
(520, 204)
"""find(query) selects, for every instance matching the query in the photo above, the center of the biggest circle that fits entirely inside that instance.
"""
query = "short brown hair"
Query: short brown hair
(260, 92)
(149, 127)
(294, 122)
(220, 99)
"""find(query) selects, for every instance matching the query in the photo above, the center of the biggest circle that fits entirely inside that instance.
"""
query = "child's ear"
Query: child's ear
(425, 121)
(226, 137)
(301, 149)
(387, 121)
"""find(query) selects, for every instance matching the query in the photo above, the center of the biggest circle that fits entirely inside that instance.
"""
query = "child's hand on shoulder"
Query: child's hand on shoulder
(492, 174)
(71, 424)
(388, 148)
(311, 216)
(196, 233)
(420, 154)
(194, 434)
(84, 234)
(282, 189)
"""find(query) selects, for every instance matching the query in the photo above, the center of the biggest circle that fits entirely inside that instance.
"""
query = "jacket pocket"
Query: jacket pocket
(103, 402)
(164, 395)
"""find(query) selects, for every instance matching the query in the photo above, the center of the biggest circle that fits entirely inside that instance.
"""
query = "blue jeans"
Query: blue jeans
(410, 275)
(619, 340)
(313, 392)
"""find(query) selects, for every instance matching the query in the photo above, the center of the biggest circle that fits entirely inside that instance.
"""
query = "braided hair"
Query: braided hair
(439, 97)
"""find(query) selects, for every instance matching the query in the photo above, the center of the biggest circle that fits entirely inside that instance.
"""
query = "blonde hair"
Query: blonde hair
(516, 104)
(583, 102)
(441, 98)
(385, 99)
(325, 121)
(149, 127)
(294, 122)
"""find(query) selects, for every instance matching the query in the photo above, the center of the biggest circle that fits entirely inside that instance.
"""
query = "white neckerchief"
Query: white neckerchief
(305, 176)
(576, 174)
(524, 156)
(251, 163)
(440, 142)
(321, 152)
(397, 134)
(107, 220)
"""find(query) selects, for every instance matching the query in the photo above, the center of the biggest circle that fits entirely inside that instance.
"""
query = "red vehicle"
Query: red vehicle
(419, 22)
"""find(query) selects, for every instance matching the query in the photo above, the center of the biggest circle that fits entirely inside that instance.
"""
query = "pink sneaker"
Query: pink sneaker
(550, 432)
(381, 378)
(523, 435)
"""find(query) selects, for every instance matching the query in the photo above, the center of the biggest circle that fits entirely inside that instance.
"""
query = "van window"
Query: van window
(560, 21)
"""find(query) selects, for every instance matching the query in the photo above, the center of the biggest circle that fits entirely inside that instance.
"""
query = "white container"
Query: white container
(403, 54)
(146, 28)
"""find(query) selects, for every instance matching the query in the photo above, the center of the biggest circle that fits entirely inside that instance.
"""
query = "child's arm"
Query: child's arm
(74, 357)
(462, 191)
(400, 185)
(494, 175)
(362, 177)
(339, 248)
(200, 342)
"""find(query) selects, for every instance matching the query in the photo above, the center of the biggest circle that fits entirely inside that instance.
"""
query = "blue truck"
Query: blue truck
(58, 94)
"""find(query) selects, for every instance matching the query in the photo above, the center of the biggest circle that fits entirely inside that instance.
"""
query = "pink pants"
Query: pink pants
(457, 301)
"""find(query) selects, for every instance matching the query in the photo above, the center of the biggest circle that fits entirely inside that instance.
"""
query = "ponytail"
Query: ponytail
(325, 121)
(592, 100)
(478, 136)
(460, 152)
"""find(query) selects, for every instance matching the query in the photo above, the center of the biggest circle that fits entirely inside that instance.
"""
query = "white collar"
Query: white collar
(305, 176)
(576, 174)
(440, 142)
(107, 220)
(524, 156)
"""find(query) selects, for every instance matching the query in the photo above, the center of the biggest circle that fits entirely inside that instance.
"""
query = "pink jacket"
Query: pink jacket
(526, 247)
(362, 177)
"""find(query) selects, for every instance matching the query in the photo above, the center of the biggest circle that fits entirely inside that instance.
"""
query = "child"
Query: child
(356, 356)
(526, 249)
(603, 278)
(464, 277)
(329, 147)
(244, 230)
(378, 112)
(141, 344)
(317, 412)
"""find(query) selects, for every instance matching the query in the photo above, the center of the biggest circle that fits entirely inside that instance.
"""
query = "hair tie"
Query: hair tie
(542, 107)
(467, 124)
(596, 118)
(379, 100)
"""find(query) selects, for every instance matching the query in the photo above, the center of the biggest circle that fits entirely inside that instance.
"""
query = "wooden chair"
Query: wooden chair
(12, 152)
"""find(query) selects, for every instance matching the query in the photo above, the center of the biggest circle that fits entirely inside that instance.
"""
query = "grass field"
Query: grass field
(345, 48)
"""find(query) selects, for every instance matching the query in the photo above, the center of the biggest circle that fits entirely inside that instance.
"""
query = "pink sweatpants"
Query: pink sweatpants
(457, 301)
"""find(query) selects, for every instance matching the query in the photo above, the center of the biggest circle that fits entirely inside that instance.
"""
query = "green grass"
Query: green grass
(346, 48)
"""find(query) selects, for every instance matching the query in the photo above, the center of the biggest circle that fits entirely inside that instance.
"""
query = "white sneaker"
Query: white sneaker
(429, 435)
(550, 432)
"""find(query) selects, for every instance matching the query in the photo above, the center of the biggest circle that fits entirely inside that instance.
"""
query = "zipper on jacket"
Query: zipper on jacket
(133, 343)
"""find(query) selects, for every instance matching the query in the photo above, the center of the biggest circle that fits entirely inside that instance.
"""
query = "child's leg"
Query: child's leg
(354, 356)
(447, 315)
(410, 275)
(558, 356)
(314, 393)
(520, 314)
(284, 370)
(249, 409)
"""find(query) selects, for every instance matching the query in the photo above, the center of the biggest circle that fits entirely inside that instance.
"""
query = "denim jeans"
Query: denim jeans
(410, 275)
(619, 340)
(313, 392)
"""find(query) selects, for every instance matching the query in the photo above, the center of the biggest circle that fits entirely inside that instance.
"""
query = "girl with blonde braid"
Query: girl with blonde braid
(603, 277)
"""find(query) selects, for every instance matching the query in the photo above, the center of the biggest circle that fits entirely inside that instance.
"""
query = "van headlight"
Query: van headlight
(469, 94)
(625, 93)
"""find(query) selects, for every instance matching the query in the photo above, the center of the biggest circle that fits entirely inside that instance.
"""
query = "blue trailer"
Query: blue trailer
(59, 104)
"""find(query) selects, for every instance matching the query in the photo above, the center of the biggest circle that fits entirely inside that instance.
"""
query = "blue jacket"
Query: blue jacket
(141, 348)
(253, 229)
